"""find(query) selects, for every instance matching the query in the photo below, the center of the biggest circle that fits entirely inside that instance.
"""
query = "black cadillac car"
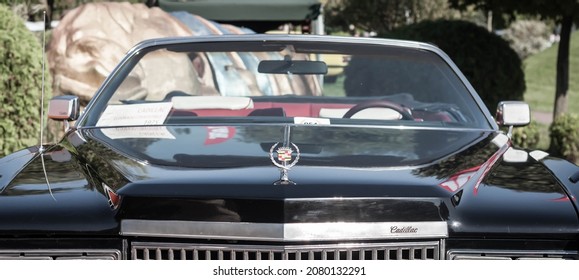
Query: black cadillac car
(233, 147)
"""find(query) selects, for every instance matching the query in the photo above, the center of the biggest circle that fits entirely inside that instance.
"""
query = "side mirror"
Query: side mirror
(64, 108)
(513, 113)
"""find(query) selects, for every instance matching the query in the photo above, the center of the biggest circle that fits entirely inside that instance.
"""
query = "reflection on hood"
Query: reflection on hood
(244, 146)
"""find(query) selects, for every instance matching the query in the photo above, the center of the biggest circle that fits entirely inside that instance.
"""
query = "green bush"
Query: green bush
(487, 61)
(20, 84)
(564, 132)
(527, 137)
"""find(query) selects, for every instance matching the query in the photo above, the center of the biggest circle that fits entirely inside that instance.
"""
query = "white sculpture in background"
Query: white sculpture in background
(91, 40)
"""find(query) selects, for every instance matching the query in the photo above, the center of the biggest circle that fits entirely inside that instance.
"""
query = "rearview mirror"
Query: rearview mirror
(292, 67)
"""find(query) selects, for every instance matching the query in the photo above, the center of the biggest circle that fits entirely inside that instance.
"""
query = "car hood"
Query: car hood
(400, 157)
(232, 173)
(232, 147)
(409, 177)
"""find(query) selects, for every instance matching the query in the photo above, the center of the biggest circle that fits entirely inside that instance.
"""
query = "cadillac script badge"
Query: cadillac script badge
(283, 157)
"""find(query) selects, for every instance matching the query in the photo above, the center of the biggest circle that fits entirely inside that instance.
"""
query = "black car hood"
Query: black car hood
(392, 161)
(208, 173)
(226, 147)
(343, 174)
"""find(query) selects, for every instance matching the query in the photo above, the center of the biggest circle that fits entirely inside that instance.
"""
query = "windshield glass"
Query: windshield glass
(288, 82)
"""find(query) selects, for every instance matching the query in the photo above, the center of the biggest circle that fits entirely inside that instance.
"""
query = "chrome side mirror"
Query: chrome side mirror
(513, 113)
(64, 108)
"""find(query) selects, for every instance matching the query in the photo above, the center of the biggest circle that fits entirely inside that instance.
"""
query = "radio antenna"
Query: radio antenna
(41, 148)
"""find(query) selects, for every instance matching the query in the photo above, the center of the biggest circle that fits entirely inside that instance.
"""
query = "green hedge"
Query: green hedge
(564, 132)
(488, 62)
(20, 84)
(527, 137)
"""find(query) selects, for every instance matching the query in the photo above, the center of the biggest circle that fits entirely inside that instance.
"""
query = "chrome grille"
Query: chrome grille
(381, 251)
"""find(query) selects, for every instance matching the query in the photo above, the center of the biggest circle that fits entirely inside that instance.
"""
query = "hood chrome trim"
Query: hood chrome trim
(284, 232)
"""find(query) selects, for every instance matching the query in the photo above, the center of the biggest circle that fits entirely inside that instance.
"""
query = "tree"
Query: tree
(564, 12)
(20, 84)
(381, 16)
(24, 8)
(528, 37)
(492, 67)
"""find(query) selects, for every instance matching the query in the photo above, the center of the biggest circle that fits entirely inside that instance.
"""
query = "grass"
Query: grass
(540, 71)
(540, 74)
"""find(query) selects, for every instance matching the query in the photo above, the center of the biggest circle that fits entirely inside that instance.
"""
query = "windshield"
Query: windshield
(288, 82)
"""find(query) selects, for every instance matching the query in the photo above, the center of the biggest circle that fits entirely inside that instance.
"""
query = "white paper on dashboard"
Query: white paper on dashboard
(150, 132)
(311, 121)
(135, 114)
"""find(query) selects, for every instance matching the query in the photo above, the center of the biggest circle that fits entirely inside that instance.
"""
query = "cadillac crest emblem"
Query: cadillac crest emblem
(284, 154)
(282, 157)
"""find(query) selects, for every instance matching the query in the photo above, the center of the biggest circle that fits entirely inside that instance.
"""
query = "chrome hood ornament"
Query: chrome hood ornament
(282, 156)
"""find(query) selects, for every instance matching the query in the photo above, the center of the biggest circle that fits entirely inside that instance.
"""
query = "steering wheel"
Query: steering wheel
(406, 115)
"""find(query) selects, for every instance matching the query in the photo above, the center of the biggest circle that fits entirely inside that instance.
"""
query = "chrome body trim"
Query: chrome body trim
(285, 232)
(511, 254)
(60, 254)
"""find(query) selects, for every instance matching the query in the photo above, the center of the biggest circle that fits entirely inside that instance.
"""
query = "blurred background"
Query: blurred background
(509, 50)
